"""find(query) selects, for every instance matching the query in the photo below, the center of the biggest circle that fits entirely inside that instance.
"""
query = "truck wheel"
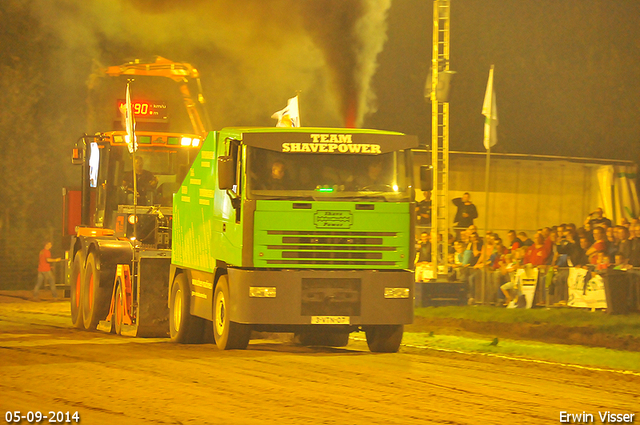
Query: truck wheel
(228, 334)
(75, 282)
(385, 338)
(324, 339)
(95, 305)
(184, 328)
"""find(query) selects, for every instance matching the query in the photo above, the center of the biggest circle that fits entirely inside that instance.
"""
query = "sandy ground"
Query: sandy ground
(48, 366)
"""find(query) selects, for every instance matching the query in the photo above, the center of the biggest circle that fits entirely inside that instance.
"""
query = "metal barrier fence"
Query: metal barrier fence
(616, 291)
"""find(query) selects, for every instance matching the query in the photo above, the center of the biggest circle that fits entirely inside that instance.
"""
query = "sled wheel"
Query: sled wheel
(95, 305)
(75, 282)
(118, 314)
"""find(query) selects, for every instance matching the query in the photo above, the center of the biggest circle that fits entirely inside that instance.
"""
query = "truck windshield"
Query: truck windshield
(277, 175)
(160, 172)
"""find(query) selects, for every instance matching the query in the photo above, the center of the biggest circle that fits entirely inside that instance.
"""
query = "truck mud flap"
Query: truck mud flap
(151, 317)
(152, 313)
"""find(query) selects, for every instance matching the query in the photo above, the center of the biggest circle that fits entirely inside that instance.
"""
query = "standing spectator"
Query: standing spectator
(423, 257)
(571, 254)
(423, 210)
(554, 255)
(621, 262)
(600, 245)
(584, 233)
(546, 234)
(513, 241)
(621, 234)
(44, 272)
(603, 261)
(634, 258)
(510, 269)
(475, 246)
(465, 238)
(424, 248)
(537, 253)
(465, 235)
(597, 219)
(526, 242)
(581, 258)
(476, 274)
(461, 260)
(612, 241)
(466, 211)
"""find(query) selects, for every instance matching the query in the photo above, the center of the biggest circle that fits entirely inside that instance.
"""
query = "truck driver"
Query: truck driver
(145, 180)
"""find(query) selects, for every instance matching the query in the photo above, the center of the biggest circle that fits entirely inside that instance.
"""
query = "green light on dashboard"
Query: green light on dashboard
(325, 189)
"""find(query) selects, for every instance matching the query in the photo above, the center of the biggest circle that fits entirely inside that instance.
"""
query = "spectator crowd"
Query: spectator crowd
(597, 244)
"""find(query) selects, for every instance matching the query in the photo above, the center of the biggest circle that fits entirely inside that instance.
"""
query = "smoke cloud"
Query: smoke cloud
(252, 54)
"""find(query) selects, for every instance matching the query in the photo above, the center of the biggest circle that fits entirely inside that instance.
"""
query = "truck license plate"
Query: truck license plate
(330, 320)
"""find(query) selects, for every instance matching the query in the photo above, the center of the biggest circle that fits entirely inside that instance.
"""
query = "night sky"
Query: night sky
(567, 74)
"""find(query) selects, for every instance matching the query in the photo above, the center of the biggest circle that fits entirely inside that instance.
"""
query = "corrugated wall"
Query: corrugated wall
(525, 194)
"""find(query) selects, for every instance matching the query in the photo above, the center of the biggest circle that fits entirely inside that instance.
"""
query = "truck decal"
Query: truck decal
(333, 219)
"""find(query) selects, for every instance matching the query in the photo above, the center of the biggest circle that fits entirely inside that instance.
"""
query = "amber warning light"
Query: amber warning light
(146, 109)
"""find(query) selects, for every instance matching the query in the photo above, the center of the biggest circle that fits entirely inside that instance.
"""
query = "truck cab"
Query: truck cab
(303, 230)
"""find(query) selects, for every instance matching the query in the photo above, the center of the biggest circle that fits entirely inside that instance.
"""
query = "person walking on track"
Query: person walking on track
(44, 271)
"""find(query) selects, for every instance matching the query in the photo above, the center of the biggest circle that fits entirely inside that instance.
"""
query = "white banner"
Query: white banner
(589, 295)
(526, 282)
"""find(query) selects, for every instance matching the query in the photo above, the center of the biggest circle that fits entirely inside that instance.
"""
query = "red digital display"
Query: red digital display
(146, 108)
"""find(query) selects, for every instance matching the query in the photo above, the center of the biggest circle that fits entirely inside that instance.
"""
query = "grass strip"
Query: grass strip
(560, 353)
(569, 317)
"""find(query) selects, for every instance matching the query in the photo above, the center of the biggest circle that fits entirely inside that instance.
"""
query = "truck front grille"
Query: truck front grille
(330, 248)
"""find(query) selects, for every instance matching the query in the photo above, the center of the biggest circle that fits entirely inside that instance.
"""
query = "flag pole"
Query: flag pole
(132, 137)
(298, 96)
(486, 218)
(486, 192)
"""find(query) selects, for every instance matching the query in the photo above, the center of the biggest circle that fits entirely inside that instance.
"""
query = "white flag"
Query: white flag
(490, 111)
(129, 121)
(289, 116)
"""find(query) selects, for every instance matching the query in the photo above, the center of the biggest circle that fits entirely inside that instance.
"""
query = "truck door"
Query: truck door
(232, 214)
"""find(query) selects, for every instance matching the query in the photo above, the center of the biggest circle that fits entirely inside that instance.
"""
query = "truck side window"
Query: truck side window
(235, 152)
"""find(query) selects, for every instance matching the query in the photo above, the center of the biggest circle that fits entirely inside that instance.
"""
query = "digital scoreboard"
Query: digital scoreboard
(145, 109)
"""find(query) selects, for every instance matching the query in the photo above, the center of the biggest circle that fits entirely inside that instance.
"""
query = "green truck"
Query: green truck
(302, 230)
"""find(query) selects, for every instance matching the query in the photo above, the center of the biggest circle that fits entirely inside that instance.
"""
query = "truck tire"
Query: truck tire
(384, 338)
(323, 339)
(228, 335)
(75, 283)
(95, 304)
(183, 327)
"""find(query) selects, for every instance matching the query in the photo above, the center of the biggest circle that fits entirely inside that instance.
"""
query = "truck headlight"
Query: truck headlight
(396, 292)
(262, 291)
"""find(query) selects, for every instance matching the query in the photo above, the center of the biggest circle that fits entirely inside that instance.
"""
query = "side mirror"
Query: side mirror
(426, 177)
(226, 173)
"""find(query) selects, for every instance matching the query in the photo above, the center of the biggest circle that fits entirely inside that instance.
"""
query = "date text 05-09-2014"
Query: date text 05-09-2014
(51, 417)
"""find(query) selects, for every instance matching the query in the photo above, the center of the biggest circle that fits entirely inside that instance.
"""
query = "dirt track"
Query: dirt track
(46, 365)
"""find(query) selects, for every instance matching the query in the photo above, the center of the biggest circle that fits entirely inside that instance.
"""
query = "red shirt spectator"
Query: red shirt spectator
(537, 253)
(43, 264)
(598, 246)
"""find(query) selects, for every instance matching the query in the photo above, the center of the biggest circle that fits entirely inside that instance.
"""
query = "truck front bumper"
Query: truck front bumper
(303, 297)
